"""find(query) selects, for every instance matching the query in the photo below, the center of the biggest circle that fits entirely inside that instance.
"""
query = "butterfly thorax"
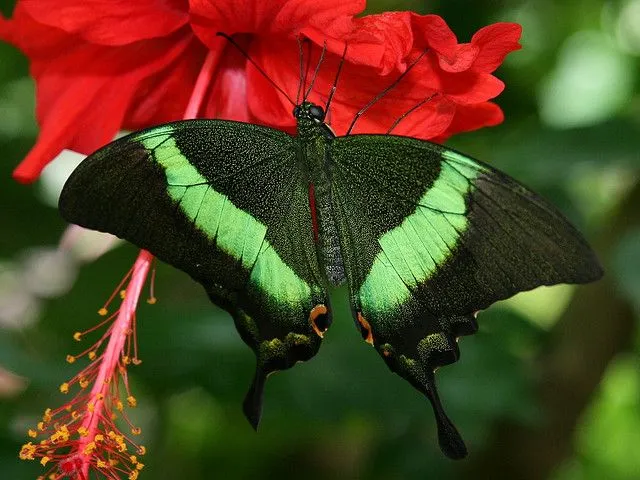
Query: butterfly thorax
(314, 139)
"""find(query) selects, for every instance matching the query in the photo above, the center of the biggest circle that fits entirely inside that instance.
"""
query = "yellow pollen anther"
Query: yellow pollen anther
(140, 466)
(90, 448)
(64, 388)
(123, 294)
(101, 464)
(84, 383)
(75, 415)
(71, 359)
(136, 430)
(92, 355)
(77, 336)
(152, 300)
(47, 415)
(131, 400)
(98, 438)
(133, 475)
(126, 360)
(119, 406)
(136, 361)
(103, 312)
(142, 450)
(61, 435)
(32, 433)
(83, 431)
(133, 459)
(44, 461)
(27, 451)
(41, 426)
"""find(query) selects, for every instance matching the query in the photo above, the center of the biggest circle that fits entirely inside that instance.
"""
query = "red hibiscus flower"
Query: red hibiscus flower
(101, 66)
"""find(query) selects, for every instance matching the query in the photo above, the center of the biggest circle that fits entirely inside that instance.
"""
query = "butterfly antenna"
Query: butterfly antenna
(250, 60)
(385, 91)
(315, 72)
(335, 81)
(411, 110)
(302, 74)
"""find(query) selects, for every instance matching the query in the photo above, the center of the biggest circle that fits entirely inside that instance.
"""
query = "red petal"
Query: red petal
(163, 97)
(466, 54)
(110, 22)
(82, 96)
(495, 42)
(470, 87)
(280, 60)
(426, 122)
(228, 95)
(473, 117)
(32, 37)
(381, 41)
(332, 17)
(57, 132)
(435, 33)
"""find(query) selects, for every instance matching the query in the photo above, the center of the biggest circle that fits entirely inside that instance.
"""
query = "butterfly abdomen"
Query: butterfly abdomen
(328, 239)
(313, 153)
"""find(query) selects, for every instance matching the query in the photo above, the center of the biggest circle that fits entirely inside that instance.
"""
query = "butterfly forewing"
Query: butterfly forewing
(429, 237)
(228, 203)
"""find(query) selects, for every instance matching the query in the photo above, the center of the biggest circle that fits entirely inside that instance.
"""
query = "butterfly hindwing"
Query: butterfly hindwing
(429, 237)
(227, 203)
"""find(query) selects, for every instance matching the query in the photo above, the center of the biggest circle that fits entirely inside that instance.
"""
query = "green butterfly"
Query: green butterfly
(424, 236)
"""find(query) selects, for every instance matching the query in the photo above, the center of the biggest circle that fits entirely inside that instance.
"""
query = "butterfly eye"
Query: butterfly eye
(316, 112)
(296, 111)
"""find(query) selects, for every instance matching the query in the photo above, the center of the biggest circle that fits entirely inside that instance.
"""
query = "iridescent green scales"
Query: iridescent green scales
(413, 251)
(234, 231)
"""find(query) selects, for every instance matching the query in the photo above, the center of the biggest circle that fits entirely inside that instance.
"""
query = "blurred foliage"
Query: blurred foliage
(572, 126)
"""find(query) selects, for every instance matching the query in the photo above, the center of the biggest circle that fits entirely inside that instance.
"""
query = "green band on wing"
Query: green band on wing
(235, 231)
(413, 251)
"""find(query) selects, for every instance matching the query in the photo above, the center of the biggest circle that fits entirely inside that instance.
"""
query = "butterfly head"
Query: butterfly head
(309, 111)
(311, 121)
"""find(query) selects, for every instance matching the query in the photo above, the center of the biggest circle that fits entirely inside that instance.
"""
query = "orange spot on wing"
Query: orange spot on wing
(367, 328)
(316, 312)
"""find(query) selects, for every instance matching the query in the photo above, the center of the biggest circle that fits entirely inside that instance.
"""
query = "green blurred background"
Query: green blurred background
(549, 387)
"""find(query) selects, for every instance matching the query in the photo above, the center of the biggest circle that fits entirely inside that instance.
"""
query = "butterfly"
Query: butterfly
(424, 236)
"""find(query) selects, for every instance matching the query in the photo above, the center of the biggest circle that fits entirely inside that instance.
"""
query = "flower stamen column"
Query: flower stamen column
(82, 435)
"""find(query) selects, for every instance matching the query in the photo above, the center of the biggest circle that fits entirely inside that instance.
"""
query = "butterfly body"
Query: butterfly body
(315, 138)
(423, 236)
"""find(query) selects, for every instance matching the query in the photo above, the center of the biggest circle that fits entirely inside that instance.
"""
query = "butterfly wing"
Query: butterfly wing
(227, 203)
(429, 237)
